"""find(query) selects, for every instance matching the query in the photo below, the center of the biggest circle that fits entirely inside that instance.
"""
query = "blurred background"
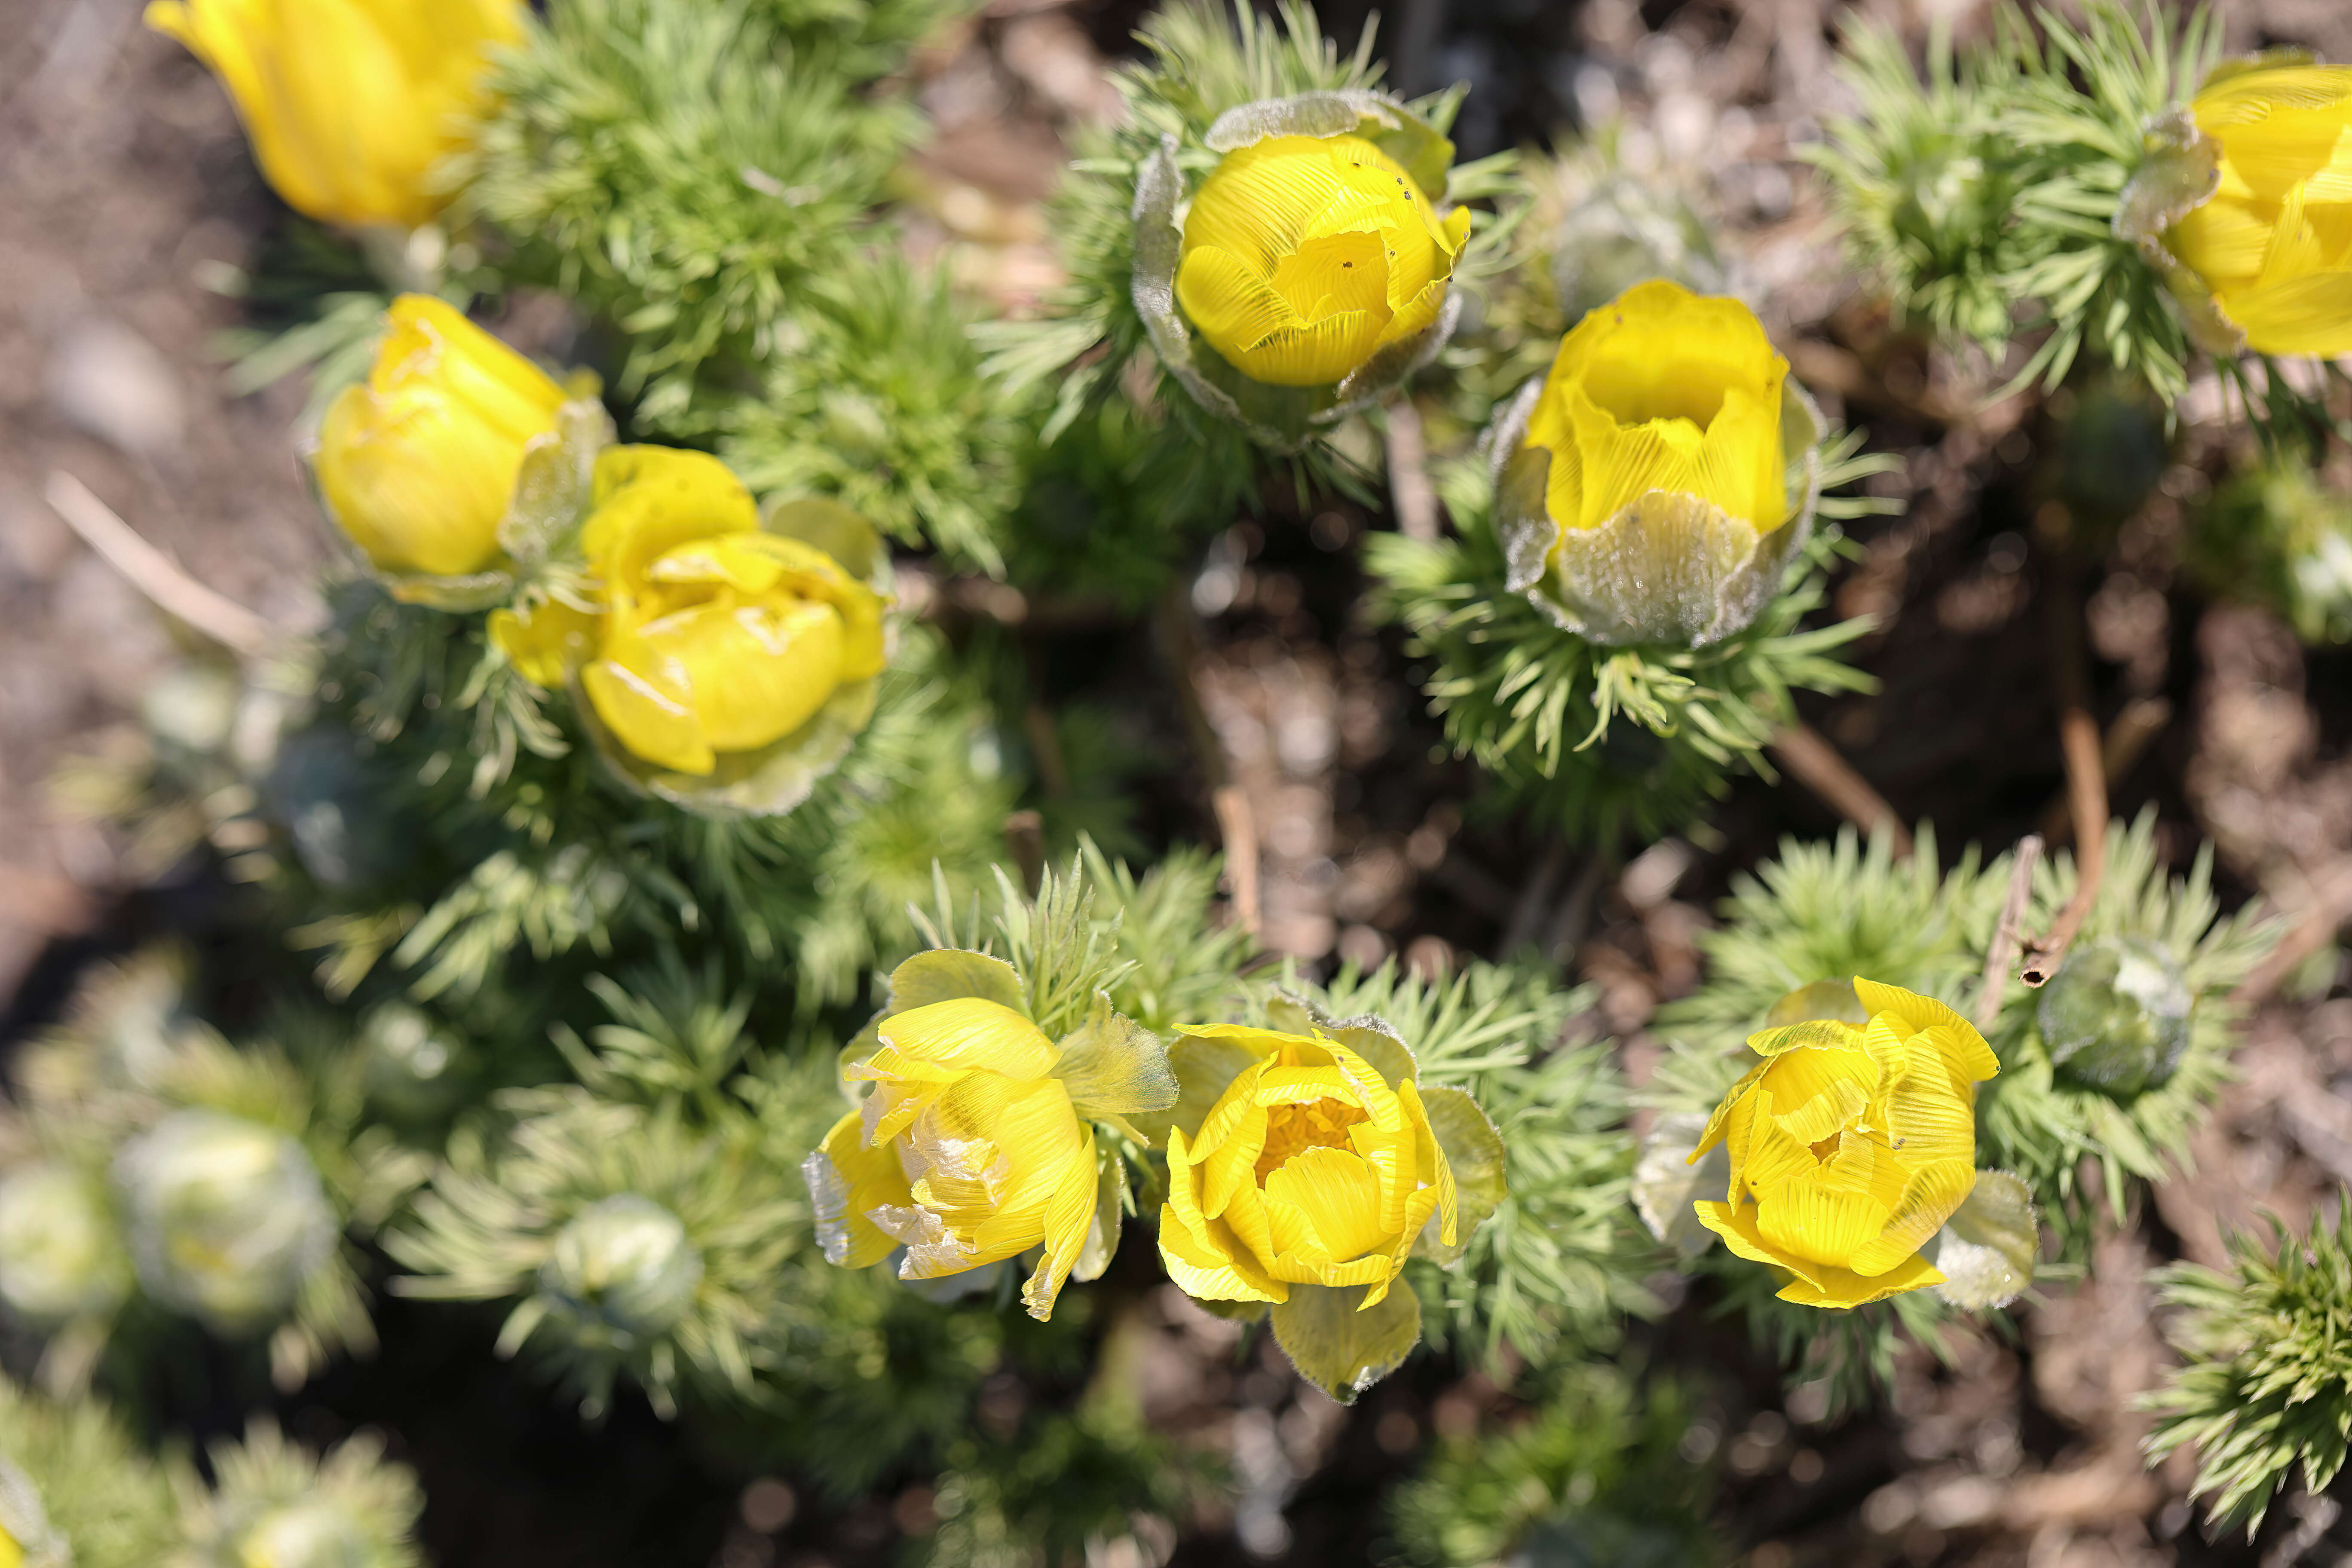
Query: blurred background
(132, 216)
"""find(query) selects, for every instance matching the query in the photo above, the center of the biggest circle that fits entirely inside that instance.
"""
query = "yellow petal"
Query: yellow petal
(847, 1182)
(648, 705)
(350, 103)
(649, 500)
(1955, 1038)
(419, 463)
(1839, 1287)
(968, 1032)
(1207, 1274)
(545, 642)
(1339, 1195)
(1069, 1211)
(1932, 1196)
(1829, 1213)
(1301, 252)
(1641, 397)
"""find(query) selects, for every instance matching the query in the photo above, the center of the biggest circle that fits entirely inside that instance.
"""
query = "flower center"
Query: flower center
(1318, 1124)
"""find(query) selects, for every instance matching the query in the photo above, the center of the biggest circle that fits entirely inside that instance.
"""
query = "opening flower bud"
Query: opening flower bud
(1850, 1147)
(1305, 256)
(967, 1150)
(1654, 484)
(623, 1265)
(226, 1218)
(418, 462)
(2116, 1017)
(726, 665)
(350, 103)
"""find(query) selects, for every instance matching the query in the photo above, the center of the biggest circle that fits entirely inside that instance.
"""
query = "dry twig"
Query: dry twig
(1817, 764)
(2009, 932)
(156, 574)
(2128, 740)
(2087, 781)
(1414, 497)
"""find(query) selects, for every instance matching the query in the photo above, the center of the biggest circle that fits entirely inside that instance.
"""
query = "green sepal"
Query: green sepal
(945, 973)
(780, 775)
(2180, 170)
(1474, 1151)
(1986, 1249)
(1339, 1349)
(1113, 1066)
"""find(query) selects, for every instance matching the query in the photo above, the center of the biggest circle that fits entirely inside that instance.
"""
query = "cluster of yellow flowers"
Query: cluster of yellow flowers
(700, 636)
(1303, 1169)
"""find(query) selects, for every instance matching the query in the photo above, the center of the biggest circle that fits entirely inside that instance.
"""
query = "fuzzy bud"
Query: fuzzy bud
(624, 1264)
(61, 1251)
(2116, 1017)
(226, 1218)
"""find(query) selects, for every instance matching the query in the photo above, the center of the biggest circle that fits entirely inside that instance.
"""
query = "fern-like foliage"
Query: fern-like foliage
(101, 1499)
(266, 1493)
(1996, 181)
(630, 1241)
(2265, 1387)
(1599, 1473)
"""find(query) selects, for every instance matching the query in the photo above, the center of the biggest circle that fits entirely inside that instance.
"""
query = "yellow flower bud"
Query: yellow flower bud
(1651, 493)
(1850, 1147)
(1305, 256)
(350, 103)
(967, 1150)
(714, 638)
(418, 462)
(2274, 241)
(1311, 1168)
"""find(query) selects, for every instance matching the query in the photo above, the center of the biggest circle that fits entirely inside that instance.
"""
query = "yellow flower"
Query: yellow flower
(2273, 242)
(709, 638)
(418, 462)
(1305, 256)
(1658, 479)
(1664, 390)
(1851, 1147)
(350, 103)
(967, 1150)
(1311, 1168)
